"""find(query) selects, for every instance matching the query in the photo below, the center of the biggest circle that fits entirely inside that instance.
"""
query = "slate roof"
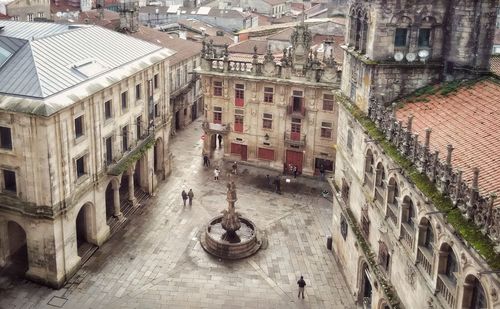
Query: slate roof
(45, 66)
(469, 119)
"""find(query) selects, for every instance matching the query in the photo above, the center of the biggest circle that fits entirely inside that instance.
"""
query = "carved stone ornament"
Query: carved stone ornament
(410, 274)
(268, 69)
(494, 294)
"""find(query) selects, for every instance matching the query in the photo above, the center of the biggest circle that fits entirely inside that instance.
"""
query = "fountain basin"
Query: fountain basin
(212, 240)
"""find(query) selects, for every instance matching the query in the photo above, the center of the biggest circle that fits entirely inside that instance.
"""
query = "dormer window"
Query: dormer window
(401, 37)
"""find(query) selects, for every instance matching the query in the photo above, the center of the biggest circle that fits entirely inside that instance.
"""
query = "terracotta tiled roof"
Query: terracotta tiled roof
(3, 16)
(283, 35)
(495, 65)
(469, 119)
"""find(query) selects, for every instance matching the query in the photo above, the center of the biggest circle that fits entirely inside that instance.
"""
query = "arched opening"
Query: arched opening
(407, 222)
(384, 257)
(392, 201)
(158, 156)
(369, 168)
(379, 184)
(124, 190)
(84, 225)
(18, 249)
(110, 210)
(425, 251)
(446, 284)
(474, 295)
(365, 295)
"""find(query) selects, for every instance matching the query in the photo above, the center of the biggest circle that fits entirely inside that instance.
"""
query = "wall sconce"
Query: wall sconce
(266, 137)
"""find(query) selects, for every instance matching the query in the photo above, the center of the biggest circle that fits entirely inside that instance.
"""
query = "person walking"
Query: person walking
(205, 160)
(190, 196)
(295, 171)
(184, 197)
(216, 174)
(219, 137)
(235, 168)
(322, 172)
(277, 184)
(302, 284)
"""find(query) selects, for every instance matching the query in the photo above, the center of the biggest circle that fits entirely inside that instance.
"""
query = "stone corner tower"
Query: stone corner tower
(394, 47)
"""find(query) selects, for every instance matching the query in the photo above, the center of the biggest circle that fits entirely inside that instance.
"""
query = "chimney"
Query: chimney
(129, 17)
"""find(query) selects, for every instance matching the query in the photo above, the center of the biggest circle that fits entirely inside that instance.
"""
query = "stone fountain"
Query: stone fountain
(230, 235)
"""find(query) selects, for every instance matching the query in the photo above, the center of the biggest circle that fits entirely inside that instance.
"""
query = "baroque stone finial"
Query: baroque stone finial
(427, 137)
(449, 148)
(475, 179)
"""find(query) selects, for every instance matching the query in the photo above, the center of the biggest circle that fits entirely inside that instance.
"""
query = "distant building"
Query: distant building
(273, 110)
(25, 10)
(273, 8)
(84, 127)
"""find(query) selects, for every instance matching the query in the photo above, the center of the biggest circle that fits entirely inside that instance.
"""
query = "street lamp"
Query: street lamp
(157, 11)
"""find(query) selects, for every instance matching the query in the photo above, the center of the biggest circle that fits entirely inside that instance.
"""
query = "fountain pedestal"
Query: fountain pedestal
(224, 236)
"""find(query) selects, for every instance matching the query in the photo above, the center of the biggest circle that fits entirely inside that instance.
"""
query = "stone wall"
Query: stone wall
(416, 281)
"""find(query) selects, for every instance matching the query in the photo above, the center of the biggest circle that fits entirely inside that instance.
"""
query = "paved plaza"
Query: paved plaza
(156, 261)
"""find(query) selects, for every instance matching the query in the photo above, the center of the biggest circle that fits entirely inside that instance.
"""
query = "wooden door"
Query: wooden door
(243, 152)
(295, 131)
(294, 158)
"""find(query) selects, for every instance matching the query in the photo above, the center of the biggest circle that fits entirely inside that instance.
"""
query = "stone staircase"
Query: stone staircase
(127, 208)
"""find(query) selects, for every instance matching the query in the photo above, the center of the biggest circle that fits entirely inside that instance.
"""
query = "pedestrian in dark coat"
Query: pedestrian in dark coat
(205, 160)
(190, 196)
(277, 185)
(184, 197)
(302, 284)
(295, 171)
(322, 172)
(220, 140)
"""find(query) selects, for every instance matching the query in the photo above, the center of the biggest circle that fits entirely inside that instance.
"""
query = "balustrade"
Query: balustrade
(446, 289)
(407, 233)
(424, 258)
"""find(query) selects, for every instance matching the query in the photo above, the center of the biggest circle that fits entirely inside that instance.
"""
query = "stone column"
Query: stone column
(116, 201)
(131, 187)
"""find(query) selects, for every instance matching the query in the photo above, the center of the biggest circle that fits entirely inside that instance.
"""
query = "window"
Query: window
(238, 120)
(326, 129)
(268, 94)
(80, 167)
(78, 126)
(384, 257)
(15, 18)
(108, 143)
(218, 89)
(349, 140)
(328, 102)
(344, 193)
(138, 127)
(124, 100)
(9, 180)
(178, 78)
(29, 17)
(138, 91)
(125, 138)
(239, 94)
(171, 80)
(157, 110)
(185, 73)
(217, 114)
(107, 110)
(424, 37)
(343, 227)
(5, 138)
(40, 14)
(400, 37)
(267, 121)
(156, 81)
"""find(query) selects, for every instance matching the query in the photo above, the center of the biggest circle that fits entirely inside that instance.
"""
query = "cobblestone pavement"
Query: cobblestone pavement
(156, 260)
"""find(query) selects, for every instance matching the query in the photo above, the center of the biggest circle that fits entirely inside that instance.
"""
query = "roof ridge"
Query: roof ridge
(39, 82)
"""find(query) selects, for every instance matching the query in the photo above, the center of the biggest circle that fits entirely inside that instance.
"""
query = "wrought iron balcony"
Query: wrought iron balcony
(295, 138)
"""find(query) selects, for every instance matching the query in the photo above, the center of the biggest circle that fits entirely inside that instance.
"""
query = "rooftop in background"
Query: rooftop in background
(277, 27)
(275, 2)
(469, 119)
(63, 56)
(247, 47)
(495, 64)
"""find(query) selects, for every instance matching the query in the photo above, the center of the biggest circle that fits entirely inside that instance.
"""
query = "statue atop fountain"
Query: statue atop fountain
(231, 235)
(230, 218)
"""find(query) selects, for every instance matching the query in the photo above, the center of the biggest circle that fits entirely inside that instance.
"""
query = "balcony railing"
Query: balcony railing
(379, 197)
(295, 138)
(369, 180)
(215, 127)
(132, 156)
(424, 258)
(407, 233)
(446, 289)
(392, 213)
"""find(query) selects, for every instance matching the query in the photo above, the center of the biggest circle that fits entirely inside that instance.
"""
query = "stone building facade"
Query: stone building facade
(78, 146)
(272, 112)
(393, 48)
(27, 10)
(409, 229)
